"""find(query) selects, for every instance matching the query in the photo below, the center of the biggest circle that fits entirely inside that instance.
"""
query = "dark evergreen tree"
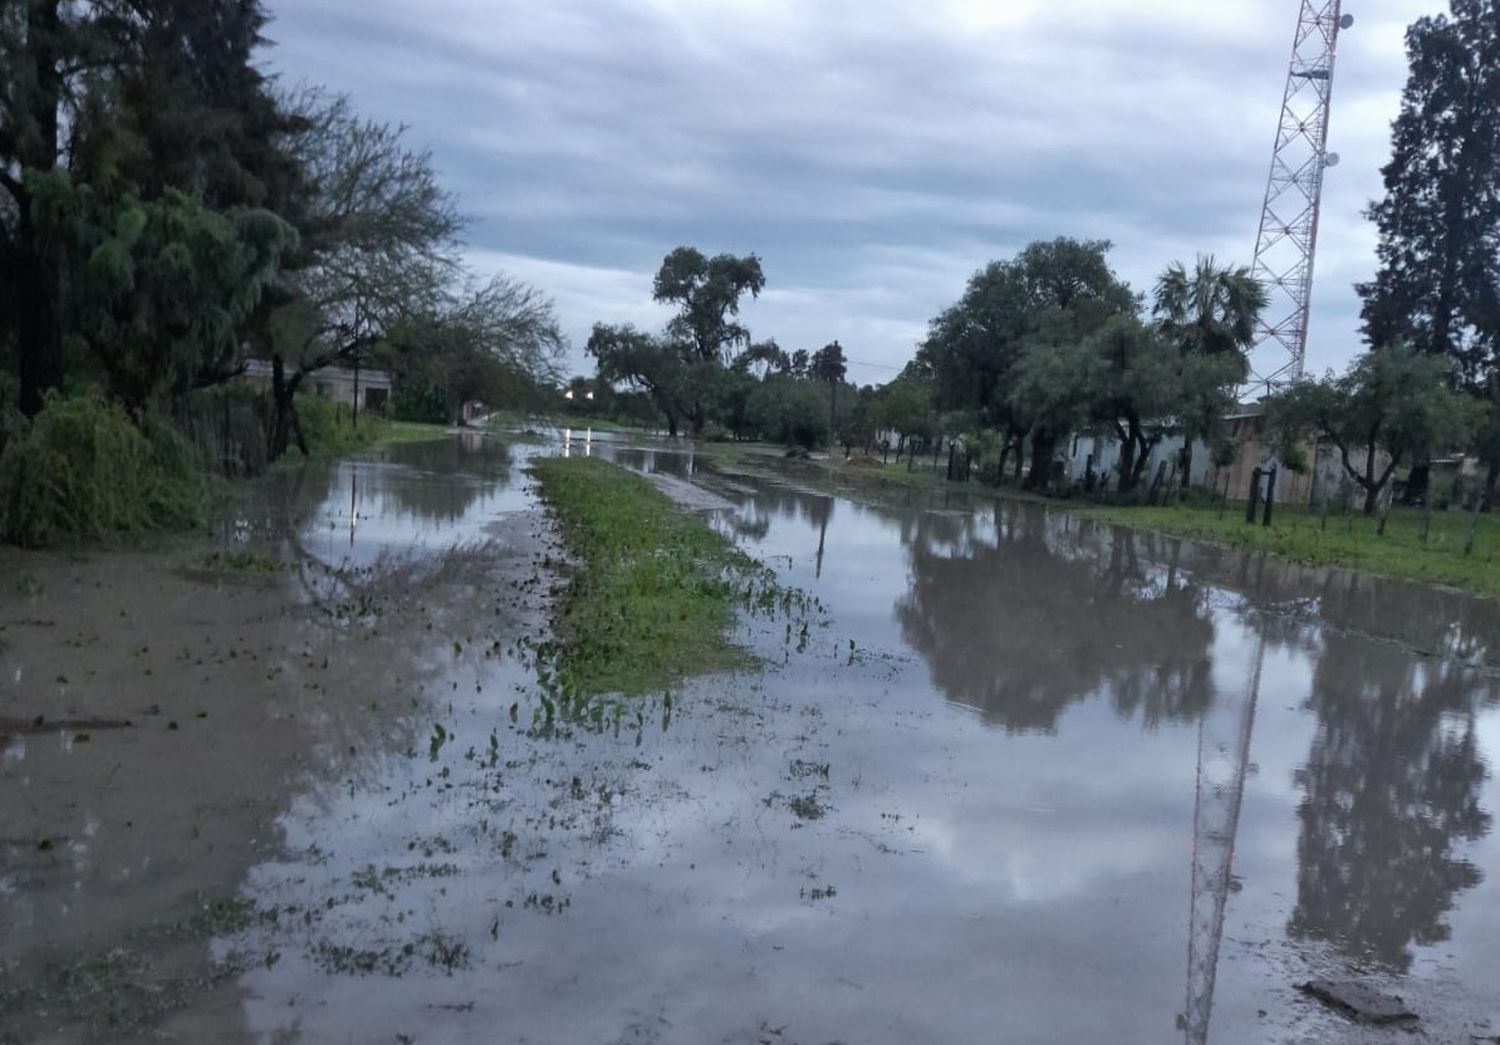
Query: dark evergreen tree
(118, 103)
(1439, 222)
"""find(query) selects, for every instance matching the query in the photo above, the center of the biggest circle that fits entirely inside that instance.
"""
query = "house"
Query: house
(343, 385)
(1323, 479)
(1098, 455)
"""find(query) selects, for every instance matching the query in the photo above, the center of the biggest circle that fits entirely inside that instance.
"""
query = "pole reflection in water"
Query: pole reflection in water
(353, 502)
(1224, 734)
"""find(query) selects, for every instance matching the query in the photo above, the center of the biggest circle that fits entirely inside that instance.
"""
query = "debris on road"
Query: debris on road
(1359, 1002)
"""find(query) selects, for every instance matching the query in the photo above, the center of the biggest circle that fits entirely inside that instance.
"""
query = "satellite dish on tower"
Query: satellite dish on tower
(1331, 160)
(1346, 22)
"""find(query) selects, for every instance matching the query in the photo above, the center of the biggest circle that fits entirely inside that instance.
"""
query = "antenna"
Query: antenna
(1288, 237)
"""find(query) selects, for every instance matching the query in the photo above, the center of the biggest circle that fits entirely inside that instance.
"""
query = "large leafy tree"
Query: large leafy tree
(1053, 293)
(1439, 221)
(1395, 401)
(492, 341)
(1135, 385)
(682, 368)
(904, 406)
(707, 293)
(644, 363)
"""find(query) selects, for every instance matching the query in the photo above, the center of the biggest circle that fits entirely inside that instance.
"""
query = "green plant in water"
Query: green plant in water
(654, 598)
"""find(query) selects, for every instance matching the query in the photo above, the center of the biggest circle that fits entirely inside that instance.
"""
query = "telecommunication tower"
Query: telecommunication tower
(1288, 238)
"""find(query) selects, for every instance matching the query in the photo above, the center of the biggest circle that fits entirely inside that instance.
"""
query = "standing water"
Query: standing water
(1024, 777)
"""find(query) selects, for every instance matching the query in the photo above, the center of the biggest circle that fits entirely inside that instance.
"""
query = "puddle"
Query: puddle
(996, 785)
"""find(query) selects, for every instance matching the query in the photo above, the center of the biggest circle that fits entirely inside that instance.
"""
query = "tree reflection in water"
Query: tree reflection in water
(1043, 610)
(1391, 785)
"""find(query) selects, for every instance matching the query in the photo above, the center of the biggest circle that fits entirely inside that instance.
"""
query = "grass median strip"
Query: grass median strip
(653, 598)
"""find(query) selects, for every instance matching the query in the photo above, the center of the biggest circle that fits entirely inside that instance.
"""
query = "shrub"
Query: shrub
(330, 430)
(423, 403)
(81, 470)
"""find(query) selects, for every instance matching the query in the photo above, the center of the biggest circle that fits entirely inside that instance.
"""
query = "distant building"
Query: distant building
(342, 385)
(1324, 479)
(1098, 455)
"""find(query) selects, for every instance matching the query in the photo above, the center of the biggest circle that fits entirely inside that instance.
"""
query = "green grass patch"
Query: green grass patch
(332, 431)
(654, 597)
(411, 432)
(1347, 540)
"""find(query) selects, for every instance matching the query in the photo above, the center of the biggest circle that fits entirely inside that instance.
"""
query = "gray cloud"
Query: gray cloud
(874, 154)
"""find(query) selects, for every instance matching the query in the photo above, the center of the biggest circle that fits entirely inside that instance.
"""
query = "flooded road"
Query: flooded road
(991, 792)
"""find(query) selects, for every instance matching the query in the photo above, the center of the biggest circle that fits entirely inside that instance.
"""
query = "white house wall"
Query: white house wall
(1105, 451)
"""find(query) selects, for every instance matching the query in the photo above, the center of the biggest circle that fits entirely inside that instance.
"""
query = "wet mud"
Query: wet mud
(1022, 778)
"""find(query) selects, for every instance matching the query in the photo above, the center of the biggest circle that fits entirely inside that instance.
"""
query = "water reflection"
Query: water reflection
(404, 497)
(1392, 784)
(1024, 617)
(1067, 849)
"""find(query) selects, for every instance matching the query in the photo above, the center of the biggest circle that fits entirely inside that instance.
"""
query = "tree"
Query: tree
(1053, 384)
(642, 362)
(707, 293)
(730, 399)
(1439, 222)
(1393, 399)
(128, 98)
(681, 369)
(35, 41)
(789, 411)
(494, 341)
(1135, 378)
(905, 406)
(1056, 292)
(828, 367)
(1210, 315)
(165, 286)
(379, 251)
(765, 354)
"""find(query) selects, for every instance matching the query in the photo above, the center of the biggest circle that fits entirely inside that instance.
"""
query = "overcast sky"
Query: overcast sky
(873, 153)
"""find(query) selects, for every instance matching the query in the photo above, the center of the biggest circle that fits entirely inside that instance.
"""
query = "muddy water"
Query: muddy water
(989, 793)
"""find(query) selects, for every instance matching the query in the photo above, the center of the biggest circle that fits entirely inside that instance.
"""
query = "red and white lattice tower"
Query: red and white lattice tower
(1288, 238)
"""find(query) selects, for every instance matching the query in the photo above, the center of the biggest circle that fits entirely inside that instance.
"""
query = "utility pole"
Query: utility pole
(1288, 238)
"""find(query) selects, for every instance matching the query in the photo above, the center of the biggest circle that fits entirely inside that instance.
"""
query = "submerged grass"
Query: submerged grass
(1350, 541)
(654, 598)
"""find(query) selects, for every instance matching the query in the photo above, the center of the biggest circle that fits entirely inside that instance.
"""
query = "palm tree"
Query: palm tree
(828, 366)
(1211, 312)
